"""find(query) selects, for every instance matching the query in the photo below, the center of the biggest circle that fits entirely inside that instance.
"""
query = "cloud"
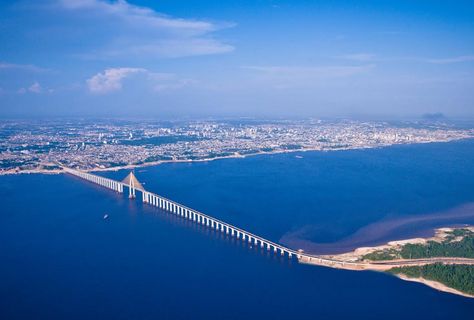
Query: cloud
(452, 60)
(24, 67)
(167, 48)
(110, 79)
(139, 16)
(358, 56)
(128, 29)
(172, 84)
(35, 88)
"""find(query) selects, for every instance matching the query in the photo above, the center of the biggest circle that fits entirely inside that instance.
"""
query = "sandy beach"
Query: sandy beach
(435, 285)
(382, 232)
(439, 235)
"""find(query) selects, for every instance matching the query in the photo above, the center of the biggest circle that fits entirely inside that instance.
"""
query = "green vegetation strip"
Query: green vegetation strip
(449, 247)
(459, 277)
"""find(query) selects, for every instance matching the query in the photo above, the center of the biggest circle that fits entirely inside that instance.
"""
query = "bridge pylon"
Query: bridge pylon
(133, 184)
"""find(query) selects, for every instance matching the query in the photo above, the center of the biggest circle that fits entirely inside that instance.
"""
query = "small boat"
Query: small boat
(299, 157)
(106, 216)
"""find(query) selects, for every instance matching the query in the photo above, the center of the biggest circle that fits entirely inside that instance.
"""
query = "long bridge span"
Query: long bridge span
(197, 217)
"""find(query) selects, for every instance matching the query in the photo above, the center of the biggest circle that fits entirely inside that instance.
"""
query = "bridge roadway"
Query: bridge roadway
(221, 226)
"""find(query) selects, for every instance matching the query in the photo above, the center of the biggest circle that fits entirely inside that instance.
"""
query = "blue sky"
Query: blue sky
(168, 59)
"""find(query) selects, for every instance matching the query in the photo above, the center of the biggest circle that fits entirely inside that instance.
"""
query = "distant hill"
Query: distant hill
(434, 116)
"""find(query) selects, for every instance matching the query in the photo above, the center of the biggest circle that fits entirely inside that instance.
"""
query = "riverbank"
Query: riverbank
(160, 162)
(435, 285)
(440, 235)
(451, 271)
(232, 156)
(382, 232)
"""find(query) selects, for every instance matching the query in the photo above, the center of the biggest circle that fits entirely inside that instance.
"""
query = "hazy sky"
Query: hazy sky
(267, 58)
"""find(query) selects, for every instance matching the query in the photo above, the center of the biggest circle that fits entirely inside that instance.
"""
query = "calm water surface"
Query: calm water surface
(61, 260)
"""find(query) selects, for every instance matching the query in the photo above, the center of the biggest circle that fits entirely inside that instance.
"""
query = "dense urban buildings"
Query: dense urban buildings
(32, 146)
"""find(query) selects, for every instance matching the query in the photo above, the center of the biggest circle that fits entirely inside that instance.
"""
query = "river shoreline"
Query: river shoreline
(357, 256)
(381, 232)
(435, 285)
(440, 234)
(233, 156)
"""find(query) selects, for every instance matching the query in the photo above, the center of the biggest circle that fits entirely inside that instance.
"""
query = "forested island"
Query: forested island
(444, 261)
(451, 243)
(458, 277)
(457, 242)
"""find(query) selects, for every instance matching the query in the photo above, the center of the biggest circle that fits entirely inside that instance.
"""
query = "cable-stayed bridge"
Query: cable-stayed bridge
(197, 217)
(163, 203)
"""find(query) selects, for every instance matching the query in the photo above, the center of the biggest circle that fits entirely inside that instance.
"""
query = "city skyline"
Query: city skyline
(44, 146)
(258, 59)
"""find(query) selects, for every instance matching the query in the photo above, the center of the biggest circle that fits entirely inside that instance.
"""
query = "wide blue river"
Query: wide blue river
(60, 259)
